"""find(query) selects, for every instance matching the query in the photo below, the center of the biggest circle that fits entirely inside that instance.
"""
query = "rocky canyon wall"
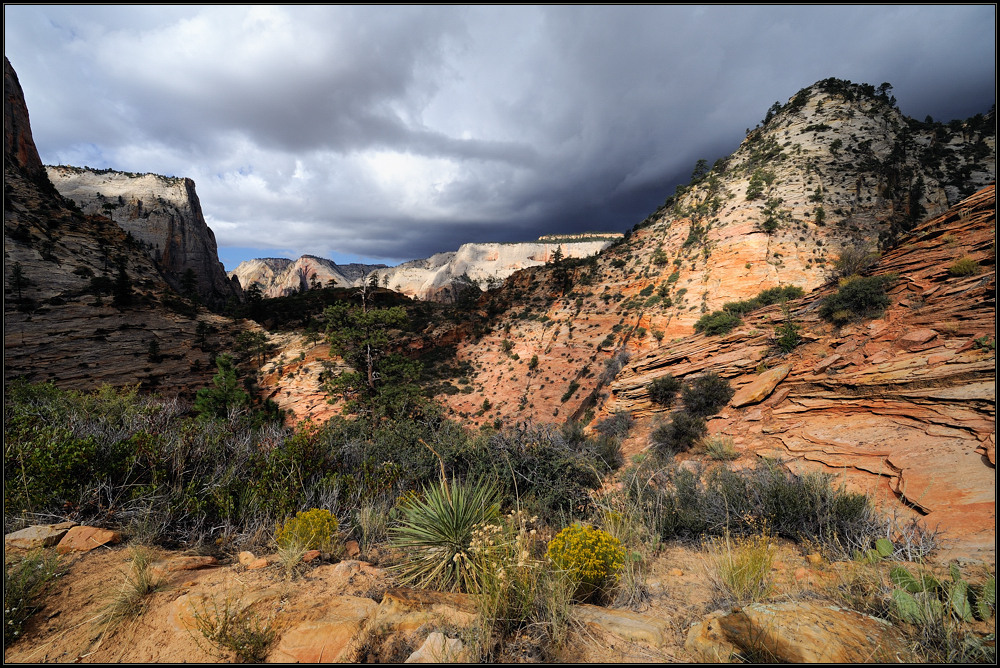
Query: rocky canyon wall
(162, 213)
(83, 304)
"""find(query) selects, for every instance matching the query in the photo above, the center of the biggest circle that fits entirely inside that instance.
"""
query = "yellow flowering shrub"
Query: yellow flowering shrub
(312, 529)
(591, 556)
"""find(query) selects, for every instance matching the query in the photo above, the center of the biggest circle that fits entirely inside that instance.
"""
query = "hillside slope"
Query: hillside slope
(84, 304)
(836, 167)
(903, 405)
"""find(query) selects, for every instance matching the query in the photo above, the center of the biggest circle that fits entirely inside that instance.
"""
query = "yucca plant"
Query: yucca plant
(436, 531)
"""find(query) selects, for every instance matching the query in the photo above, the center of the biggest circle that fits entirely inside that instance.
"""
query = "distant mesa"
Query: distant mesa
(438, 278)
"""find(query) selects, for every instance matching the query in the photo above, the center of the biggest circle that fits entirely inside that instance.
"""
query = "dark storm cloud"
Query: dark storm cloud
(397, 132)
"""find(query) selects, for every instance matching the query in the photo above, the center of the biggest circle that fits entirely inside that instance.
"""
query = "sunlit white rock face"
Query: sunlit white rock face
(162, 213)
(278, 277)
(434, 278)
(483, 263)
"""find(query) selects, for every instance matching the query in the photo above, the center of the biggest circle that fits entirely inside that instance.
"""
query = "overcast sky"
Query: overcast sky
(389, 133)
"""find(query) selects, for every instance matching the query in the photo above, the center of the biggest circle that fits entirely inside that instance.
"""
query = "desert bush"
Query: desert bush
(964, 267)
(706, 394)
(765, 297)
(314, 529)
(720, 448)
(717, 322)
(231, 625)
(663, 390)
(137, 463)
(616, 425)
(786, 335)
(681, 503)
(854, 260)
(592, 557)
(570, 391)
(740, 567)
(24, 582)
(550, 474)
(857, 298)
(613, 365)
(436, 531)
(678, 435)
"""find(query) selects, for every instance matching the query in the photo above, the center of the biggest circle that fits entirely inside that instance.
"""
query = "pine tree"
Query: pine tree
(382, 383)
(122, 290)
(225, 395)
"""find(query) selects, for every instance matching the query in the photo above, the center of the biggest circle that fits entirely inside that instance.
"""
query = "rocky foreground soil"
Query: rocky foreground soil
(344, 609)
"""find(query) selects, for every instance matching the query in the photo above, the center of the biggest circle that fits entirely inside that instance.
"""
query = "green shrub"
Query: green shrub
(591, 557)
(858, 298)
(570, 391)
(683, 503)
(682, 432)
(964, 267)
(717, 322)
(436, 531)
(765, 297)
(549, 471)
(786, 335)
(616, 425)
(663, 390)
(706, 395)
(314, 529)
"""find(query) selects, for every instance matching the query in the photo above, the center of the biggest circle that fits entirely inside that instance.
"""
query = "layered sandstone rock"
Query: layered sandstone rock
(163, 214)
(902, 406)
